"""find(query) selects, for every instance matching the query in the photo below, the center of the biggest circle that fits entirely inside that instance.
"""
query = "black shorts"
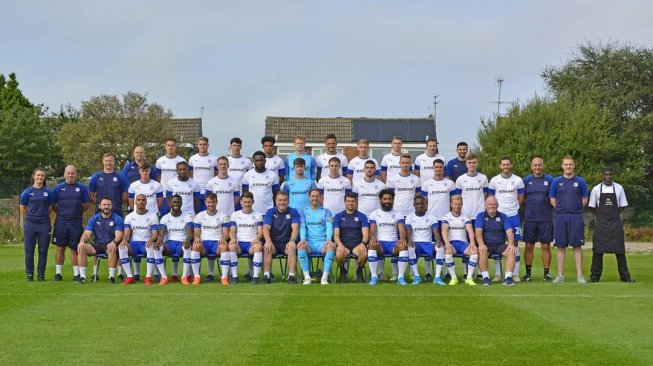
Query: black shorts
(280, 248)
(67, 234)
(99, 248)
(350, 246)
(538, 232)
(496, 249)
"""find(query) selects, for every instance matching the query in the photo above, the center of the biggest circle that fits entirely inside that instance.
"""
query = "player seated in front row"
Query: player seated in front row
(492, 229)
(316, 233)
(246, 232)
(141, 232)
(211, 232)
(456, 229)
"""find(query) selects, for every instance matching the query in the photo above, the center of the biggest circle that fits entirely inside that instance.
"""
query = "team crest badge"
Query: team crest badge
(288, 216)
(115, 179)
(355, 219)
(110, 223)
(77, 189)
(545, 183)
(575, 184)
(498, 219)
(45, 194)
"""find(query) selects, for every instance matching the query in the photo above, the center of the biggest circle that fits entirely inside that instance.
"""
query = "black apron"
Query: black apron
(609, 230)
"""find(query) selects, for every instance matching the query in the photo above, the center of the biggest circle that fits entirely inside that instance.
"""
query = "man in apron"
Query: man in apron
(607, 201)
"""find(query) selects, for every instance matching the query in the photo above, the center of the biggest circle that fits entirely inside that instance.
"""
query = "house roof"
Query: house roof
(350, 129)
(187, 130)
(313, 129)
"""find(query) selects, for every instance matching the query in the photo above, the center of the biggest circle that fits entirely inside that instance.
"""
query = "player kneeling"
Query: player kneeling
(211, 232)
(492, 229)
(177, 229)
(456, 228)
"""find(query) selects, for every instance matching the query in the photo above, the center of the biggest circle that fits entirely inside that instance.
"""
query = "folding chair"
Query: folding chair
(99, 257)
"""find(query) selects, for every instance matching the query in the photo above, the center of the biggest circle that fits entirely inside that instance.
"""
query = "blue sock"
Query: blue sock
(328, 261)
(303, 260)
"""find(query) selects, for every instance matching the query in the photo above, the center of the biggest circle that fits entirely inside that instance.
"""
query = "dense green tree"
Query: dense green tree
(553, 128)
(109, 123)
(618, 78)
(26, 141)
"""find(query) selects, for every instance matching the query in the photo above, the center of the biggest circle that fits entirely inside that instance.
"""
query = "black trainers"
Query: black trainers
(628, 279)
(547, 278)
(526, 278)
(428, 277)
(209, 278)
(82, 280)
(156, 278)
(254, 281)
(40, 278)
(58, 277)
(233, 280)
(343, 275)
(30, 278)
(267, 279)
(136, 277)
(76, 278)
(248, 276)
(359, 275)
(291, 280)
(318, 274)
(121, 277)
(112, 280)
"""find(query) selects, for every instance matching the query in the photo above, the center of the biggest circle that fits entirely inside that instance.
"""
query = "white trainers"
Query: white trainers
(393, 278)
(497, 278)
(559, 279)
(307, 281)
(581, 279)
(324, 281)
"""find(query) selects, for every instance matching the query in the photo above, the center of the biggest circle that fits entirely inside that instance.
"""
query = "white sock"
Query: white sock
(211, 263)
(58, 268)
(225, 259)
(186, 259)
(395, 267)
(439, 261)
(149, 262)
(123, 254)
(76, 270)
(266, 274)
(119, 270)
(427, 265)
(95, 266)
(175, 267)
(82, 272)
(451, 266)
(485, 274)
(233, 265)
(195, 261)
(412, 261)
(508, 274)
(471, 265)
(257, 261)
(402, 264)
(373, 262)
(112, 272)
(160, 263)
(137, 267)
(517, 261)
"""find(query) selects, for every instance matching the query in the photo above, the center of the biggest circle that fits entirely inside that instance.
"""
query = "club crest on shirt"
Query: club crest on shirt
(115, 179)
(575, 184)
(355, 219)
(546, 183)
(288, 216)
(77, 189)
(110, 223)
(498, 219)
(45, 194)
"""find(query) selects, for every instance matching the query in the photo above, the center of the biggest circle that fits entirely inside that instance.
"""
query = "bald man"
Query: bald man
(538, 222)
(71, 199)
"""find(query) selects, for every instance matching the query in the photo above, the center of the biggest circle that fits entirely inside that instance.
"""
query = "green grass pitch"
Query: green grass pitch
(57, 323)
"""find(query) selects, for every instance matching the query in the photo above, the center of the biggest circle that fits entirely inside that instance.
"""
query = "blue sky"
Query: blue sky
(244, 60)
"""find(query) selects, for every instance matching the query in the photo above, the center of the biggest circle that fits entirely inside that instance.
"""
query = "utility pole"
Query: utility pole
(202, 112)
(435, 123)
(499, 102)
